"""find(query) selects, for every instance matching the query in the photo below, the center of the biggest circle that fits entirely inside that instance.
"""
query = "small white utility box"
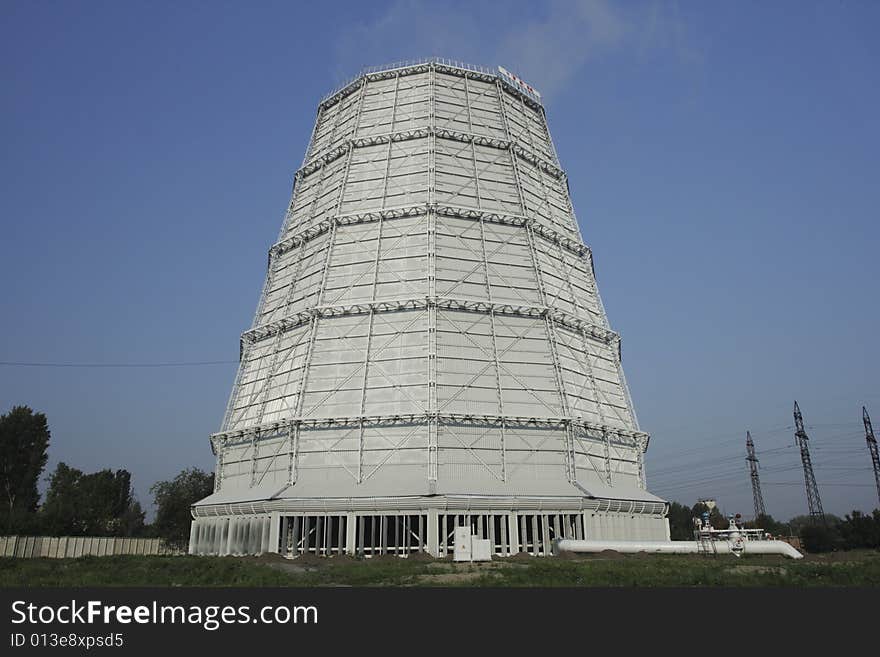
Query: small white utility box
(470, 548)
(481, 549)
(462, 549)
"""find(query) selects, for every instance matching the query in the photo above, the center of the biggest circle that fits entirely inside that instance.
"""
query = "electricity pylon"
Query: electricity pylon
(756, 482)
(813, 501)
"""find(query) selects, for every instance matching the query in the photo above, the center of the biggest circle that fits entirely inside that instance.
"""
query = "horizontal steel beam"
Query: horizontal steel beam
(322, 160)
(461, 504)
(570, 244)
(620, 437)
(568, 320)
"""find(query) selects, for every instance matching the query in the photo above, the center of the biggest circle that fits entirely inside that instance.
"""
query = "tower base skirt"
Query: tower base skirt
(413, 528)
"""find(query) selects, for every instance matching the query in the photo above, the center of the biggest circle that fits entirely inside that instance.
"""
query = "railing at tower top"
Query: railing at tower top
(419, 62)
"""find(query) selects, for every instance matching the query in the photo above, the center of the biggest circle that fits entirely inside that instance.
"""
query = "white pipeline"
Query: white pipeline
(674, 547)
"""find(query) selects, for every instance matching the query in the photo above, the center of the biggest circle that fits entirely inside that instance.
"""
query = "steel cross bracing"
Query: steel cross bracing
(753, 473)
(813, 502)
(308, 291)
(872, 448)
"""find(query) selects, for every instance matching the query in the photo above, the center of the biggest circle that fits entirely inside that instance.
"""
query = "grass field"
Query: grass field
(607, 569)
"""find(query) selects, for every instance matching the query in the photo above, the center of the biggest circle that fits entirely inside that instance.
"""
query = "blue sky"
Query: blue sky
(723, 161)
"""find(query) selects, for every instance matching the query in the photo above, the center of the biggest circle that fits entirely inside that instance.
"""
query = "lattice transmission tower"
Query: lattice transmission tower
(813, 501)
(872, 448)
(756, 481)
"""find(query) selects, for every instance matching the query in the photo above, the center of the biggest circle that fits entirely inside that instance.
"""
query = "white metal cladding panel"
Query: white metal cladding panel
(583, 400)
(460, 271)
(396, 379)
(335, 125)
(237, 463)
(352, 265)
(269, 382)
(527, 377)
(467, 105)
(378, 108)
(577, 364)
(335, 475)
(286, 297)
(402, 261)
(454, 176)
(511, 272)
(380, 114)
(281, 390)
(475, 176)
(589, 452)
(394, 445)
(270, 465)
(386, 176)
(534, 461)
(526, 445)
(497, 181)
(370, 449)
(464, 445)
(394, 370)
(335, 377)
(466, 377)
(316, 196)
(590, 462)
(451, 110)
(486, 116)
(461, 266)
(546, 199)
(624, 465)
(527, 127)
(413, 103)
(319, 447)
(568, 282)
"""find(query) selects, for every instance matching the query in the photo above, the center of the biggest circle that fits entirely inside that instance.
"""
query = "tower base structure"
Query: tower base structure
(406, 526)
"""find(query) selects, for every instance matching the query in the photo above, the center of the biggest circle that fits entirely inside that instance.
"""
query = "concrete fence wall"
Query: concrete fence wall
(67, 547)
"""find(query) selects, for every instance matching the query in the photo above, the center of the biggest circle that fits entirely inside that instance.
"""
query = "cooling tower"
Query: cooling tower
(429, 350)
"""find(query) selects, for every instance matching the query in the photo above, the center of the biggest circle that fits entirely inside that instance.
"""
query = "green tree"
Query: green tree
(799, 522)
(859, 530)
(24, 441)
(173, 500)
(96, 504)
(681, 522)
(131, 523)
